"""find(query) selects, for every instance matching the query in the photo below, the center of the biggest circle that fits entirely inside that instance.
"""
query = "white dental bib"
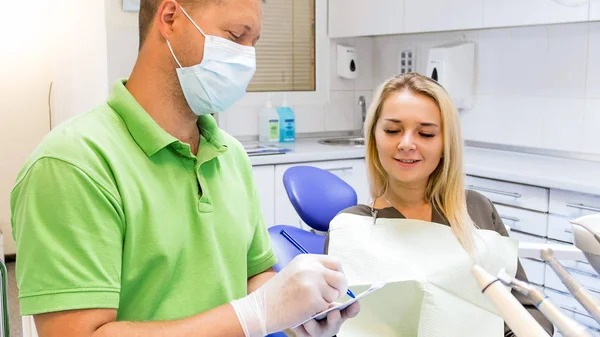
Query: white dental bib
(431, 291)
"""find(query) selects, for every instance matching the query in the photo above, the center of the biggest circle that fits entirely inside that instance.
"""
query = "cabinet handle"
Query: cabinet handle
(573, 310)
(510, 218)
(568, 230)
(485, 189)
(584, 207)
(339, 169)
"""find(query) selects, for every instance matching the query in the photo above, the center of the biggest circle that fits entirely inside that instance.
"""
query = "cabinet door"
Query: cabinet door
(573, 204)
(24, 113)
(361, 17)
(441, 15)
(264, 177)
(351, 171)
(508, 193)
(499, 13)
(523, 220)
(594, 10)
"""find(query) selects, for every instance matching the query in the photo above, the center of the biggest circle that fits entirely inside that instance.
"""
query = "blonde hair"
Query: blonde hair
(445, 188)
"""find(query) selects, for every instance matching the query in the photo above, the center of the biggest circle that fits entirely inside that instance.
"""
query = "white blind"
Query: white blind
(285, 53)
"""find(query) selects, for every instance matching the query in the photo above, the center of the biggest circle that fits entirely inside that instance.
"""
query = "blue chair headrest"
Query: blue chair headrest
(317, 195)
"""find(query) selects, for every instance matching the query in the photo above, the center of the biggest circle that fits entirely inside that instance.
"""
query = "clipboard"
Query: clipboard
(341, 306)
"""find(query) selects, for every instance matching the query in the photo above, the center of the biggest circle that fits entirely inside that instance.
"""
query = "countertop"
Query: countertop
(551, 172)
(545, 171)
(307, 150)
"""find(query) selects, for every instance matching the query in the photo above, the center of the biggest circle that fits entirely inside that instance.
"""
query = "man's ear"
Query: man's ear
(167, 13)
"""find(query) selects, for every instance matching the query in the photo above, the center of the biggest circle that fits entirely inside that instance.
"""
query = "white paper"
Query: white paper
(430, 291)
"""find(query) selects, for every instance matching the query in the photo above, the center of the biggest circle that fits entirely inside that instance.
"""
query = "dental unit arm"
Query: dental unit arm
(586, 232)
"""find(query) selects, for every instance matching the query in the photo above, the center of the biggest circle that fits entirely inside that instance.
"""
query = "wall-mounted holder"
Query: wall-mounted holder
(347, 66)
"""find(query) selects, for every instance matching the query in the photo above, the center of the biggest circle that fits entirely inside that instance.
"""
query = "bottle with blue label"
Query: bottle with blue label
(287, 122)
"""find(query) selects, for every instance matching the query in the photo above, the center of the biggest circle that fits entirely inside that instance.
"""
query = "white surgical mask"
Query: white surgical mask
(221, 78)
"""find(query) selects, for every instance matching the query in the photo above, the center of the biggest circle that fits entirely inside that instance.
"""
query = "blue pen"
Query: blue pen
(304, 251)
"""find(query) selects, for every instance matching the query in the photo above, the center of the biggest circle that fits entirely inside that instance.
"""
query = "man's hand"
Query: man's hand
(327, 327)
(306, 286)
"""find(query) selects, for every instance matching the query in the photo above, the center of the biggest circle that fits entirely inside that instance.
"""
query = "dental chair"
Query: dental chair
(317, 196)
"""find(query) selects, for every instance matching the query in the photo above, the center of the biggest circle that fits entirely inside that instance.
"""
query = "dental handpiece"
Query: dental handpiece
(514, 314)
(587, 300)
(565, 324)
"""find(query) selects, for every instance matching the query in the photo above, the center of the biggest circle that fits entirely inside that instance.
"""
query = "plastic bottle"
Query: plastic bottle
(287, 123)
(268, 123)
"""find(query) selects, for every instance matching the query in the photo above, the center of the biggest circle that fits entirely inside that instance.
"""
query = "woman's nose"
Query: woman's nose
(407, 142)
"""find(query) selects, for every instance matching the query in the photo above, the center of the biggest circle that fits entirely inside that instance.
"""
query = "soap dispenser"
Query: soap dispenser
(268, 123)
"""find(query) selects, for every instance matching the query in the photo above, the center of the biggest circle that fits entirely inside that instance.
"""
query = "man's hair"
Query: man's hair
(148, 9)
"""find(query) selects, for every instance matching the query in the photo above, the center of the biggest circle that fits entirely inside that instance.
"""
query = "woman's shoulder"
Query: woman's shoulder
(481, 210)
(359, 209)
(477, 199)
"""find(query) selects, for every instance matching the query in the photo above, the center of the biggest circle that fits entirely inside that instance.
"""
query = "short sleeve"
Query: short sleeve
(260, 255)
(69, 235)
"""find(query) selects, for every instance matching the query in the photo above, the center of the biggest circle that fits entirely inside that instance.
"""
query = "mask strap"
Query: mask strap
(172, 53)
(190, 18)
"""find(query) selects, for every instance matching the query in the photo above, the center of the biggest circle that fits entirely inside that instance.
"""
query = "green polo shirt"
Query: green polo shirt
(111, 211)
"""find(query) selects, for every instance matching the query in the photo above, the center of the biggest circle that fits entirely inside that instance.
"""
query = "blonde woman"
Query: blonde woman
(414, 157)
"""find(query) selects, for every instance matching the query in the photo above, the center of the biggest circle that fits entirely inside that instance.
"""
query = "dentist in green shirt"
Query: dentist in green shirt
(141, 217)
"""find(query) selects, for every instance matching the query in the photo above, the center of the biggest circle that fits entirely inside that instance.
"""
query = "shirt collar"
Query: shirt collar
(150, 137)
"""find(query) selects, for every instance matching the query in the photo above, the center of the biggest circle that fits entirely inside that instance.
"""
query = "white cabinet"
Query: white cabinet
(525, 221)
(594, 10)
(351, 171)
(501, 13)
(565, 206)
(535, 271)
(573, 204)
(349, 18)
(264, 177)
(507, 193)
(572, 308)
(559, 228)
(440, 15)
(362, 18)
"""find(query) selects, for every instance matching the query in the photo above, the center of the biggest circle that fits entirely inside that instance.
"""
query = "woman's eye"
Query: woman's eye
(391, 131)
(233, 36)
(427, 135)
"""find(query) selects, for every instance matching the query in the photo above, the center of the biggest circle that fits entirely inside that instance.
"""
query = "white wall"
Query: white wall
(24, 89)
(79, 69)
(340, 112)
(122, 40)
(536, 86)
(57, 43)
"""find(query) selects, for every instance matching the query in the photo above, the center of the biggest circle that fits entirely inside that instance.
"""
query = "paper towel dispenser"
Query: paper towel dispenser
(453, 66)
(346, 62)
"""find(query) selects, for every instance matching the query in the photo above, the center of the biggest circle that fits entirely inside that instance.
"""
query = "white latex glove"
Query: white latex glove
(305, 287)
(327, 327)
